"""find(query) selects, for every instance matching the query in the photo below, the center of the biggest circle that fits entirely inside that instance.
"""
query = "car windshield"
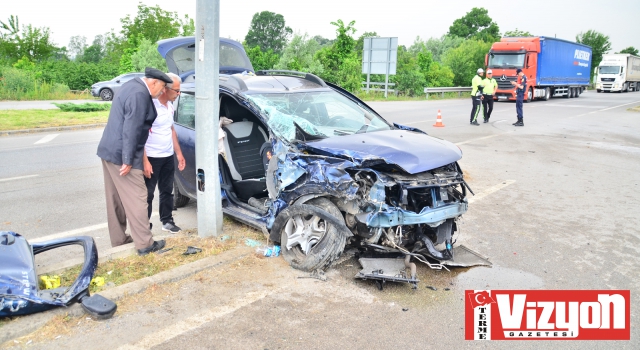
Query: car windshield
(321, 114)
(609, 69)
(498, 60)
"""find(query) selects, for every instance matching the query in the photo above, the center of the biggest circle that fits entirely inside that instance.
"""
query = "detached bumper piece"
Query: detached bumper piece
(382, 270)
(19, 294)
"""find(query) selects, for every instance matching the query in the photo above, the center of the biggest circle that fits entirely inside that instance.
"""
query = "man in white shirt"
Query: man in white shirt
(160, 148)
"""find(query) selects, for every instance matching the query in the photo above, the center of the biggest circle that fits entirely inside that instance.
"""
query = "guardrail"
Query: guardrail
(458, 89)
(372, 89)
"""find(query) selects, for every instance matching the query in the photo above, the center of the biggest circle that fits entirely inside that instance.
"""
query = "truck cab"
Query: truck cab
(616, 74)
(508, 55)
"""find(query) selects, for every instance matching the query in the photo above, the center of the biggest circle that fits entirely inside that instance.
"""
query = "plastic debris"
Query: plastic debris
(97, 281)
(405, 309)
(162, 251)
(192, 250)
(252, 242)
(49, 282)
(224, 238)
(432, 288)
(272, 251)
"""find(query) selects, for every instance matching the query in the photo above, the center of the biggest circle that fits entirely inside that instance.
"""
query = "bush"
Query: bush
(83, 107)
(16, 82)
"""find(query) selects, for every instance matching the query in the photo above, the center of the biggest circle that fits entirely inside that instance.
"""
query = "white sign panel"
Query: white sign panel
(380, 55)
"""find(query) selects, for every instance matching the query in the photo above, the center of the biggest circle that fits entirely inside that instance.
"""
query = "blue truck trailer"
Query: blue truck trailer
(554, 67)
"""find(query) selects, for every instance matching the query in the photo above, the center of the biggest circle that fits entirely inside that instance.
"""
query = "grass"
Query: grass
(634, 109)
(83, 107)
(45, 118)
(379, 96)
(132, 268)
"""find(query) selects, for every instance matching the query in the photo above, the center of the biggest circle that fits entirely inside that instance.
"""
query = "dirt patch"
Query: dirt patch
(634, 109)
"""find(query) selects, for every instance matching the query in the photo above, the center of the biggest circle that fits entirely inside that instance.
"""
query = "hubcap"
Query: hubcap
(305, 232)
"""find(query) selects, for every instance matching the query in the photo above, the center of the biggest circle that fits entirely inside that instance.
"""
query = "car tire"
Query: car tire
(106, 94)
(328, 247)
(179, 199)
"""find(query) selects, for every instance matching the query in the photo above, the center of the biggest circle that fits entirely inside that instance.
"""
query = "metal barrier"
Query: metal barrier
(372, 89)
(458, 89)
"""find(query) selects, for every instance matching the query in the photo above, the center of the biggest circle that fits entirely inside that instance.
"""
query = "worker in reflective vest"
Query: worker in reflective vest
(476, 96)
(490, 87)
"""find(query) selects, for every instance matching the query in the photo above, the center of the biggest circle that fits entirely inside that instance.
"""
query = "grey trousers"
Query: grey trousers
(126, 200)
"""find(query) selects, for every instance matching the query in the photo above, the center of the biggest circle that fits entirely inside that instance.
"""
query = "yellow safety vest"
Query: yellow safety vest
(490, 86)
(477, 80)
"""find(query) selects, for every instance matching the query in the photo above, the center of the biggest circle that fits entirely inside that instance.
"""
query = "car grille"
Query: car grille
(608, 79)
(506, 83)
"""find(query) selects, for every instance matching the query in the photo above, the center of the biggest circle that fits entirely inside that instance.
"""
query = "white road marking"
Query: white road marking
(572, 106)
(490, 190)
(480, 138)
(18, 178)
(46, 139)
(195, 322)
(76, 232)
(626, 104)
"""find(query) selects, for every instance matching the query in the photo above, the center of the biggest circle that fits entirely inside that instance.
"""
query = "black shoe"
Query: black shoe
(475, 122)
(486, 120)
(170, 227)
(515, 123)
(154, 247)
(519, 123)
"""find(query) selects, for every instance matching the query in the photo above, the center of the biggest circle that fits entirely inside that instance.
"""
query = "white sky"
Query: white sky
(405, 19)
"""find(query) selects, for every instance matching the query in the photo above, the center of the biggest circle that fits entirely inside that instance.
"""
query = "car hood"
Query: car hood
(180, 54)
(412, 151)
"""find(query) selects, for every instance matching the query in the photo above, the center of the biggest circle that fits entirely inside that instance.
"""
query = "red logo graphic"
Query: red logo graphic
(575, 63)
(480, 299)
(547, 315)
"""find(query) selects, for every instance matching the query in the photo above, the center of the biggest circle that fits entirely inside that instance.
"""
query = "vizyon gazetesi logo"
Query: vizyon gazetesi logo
(547, 314)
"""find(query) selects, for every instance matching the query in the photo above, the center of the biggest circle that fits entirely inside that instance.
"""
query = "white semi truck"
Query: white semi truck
(618, 72)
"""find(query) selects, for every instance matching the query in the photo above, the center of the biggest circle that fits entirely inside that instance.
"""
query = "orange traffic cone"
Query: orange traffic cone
(438, 123)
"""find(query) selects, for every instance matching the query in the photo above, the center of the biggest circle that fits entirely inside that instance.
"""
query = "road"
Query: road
(558, 209)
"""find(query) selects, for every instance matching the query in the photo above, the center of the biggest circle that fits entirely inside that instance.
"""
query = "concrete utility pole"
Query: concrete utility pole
(207, 108)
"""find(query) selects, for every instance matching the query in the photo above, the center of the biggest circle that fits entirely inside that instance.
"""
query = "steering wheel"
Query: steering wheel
(334, 120)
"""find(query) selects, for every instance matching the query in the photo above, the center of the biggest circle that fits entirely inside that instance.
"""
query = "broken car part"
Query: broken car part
(19, 292)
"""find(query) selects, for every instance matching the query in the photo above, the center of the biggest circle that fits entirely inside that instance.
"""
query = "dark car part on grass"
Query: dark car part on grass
(192, 250)
(317, 170)
(19, 292)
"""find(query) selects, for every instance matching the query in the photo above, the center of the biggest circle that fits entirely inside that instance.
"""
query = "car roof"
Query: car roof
(256, 84)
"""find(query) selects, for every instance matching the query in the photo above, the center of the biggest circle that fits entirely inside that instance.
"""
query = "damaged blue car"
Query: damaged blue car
(318, 170)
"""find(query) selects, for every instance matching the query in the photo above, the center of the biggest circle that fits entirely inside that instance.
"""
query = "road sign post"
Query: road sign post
(207, 107)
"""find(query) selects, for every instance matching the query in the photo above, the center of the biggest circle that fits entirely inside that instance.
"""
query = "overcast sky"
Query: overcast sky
(405, 19)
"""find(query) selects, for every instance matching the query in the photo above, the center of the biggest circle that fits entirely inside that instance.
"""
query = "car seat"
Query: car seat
(242, 148)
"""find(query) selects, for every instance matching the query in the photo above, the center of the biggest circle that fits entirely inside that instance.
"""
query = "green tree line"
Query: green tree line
(28, 57)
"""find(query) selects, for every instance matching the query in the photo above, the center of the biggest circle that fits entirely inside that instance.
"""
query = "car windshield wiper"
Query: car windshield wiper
(363, 129)
(341, 132)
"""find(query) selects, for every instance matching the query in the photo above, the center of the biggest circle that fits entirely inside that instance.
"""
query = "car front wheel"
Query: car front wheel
(106, 94)
(312, 234)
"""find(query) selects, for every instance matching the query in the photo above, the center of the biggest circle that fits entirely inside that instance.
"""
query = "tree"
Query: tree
(631, 50)
(147, 56)
(323, 41)
(360, 42)
(465, 60)
(340, 61)
(261, 60)
(517, 33)
(599, 43)
(155, 23)
(77, 45)
(476, 24)
(438, 47)
(299, 54)
(268, 30)
(8, 42)
(96, 52)
(35, 43)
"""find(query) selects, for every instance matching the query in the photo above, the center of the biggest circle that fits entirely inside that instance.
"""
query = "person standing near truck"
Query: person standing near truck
(476, 96)
(490, 86)
(521, 87)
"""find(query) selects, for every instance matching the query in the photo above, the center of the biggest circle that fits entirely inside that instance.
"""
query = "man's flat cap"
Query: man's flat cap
(157, 74)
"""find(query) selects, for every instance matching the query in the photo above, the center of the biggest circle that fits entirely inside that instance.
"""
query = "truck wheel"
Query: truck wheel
(599, 91)
(529, 95)
(309, 240)
(179, 199)
(568, 95)
(578, 92)
(547, 94)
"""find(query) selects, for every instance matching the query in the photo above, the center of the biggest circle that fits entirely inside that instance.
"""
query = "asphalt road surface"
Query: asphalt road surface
(556, 208)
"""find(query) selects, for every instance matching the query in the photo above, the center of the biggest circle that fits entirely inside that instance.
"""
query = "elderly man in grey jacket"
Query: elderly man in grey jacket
(122, 151)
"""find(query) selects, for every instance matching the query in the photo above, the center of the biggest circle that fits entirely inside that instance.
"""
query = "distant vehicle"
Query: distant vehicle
(618, 72)
(553, 67)
(107, 89)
